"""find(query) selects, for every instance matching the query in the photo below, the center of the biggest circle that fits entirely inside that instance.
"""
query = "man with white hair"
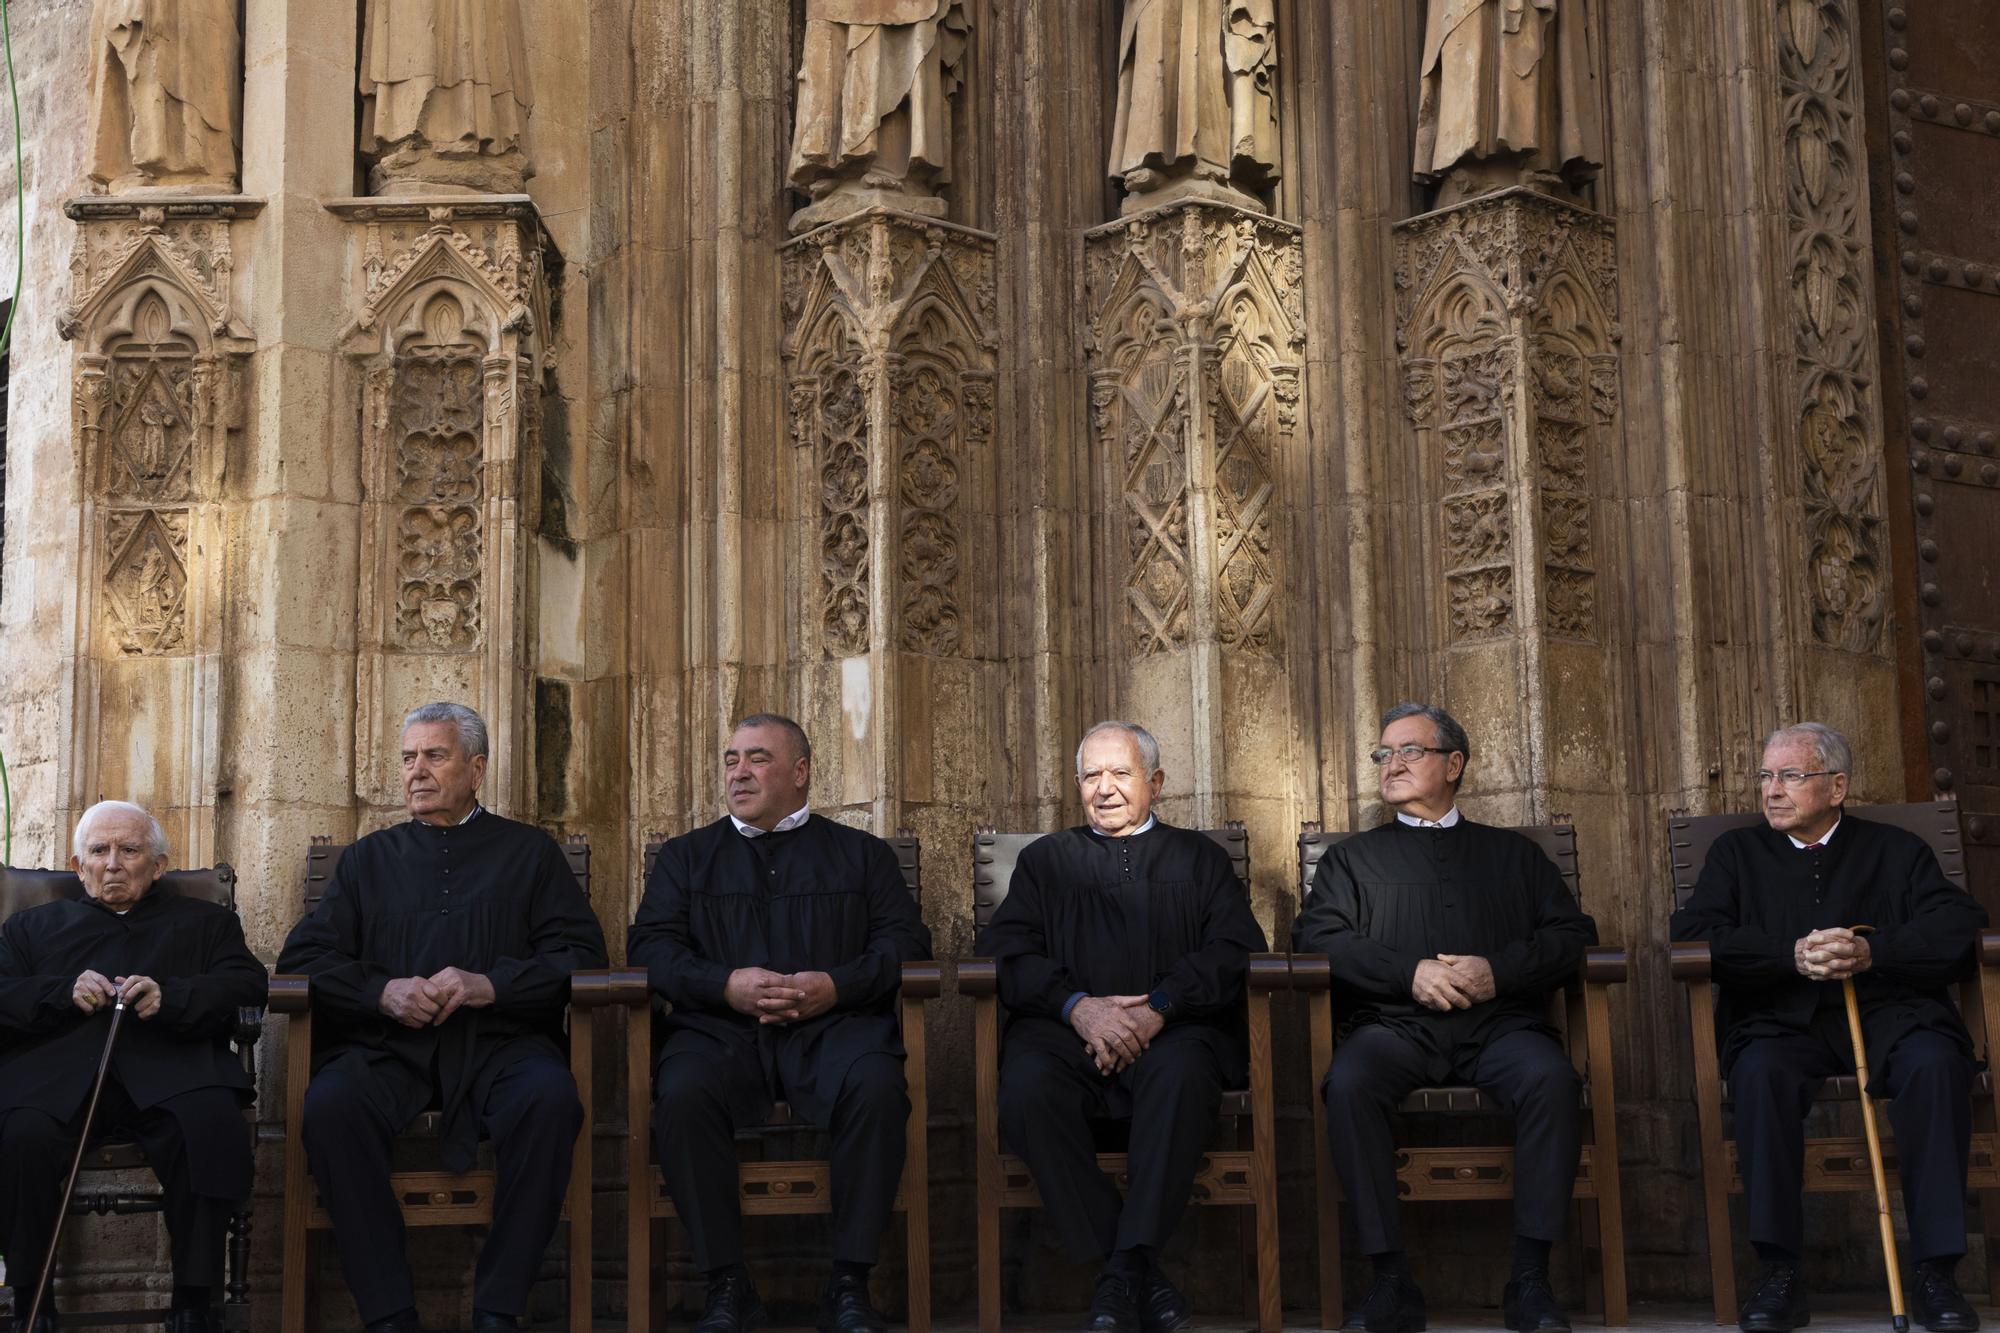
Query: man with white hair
(440, 960)
(1776, 903)
(174, 1087)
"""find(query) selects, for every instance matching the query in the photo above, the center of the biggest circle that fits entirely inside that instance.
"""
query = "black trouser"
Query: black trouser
(695, 1119)
(532, 1114)
(35, 1152)
(1049, 1094)
(1772, 1083)
(1374, 1068)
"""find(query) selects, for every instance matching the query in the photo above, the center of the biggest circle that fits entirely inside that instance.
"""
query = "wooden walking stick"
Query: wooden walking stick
(69, 1186)
(1899, 1318)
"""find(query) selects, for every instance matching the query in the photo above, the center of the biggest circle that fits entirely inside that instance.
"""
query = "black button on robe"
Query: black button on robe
(821, 897)
(49, 1048)
(491, 896)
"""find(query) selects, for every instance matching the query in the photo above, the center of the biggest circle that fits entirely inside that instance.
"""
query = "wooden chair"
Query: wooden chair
(437, 1198)
(786, 1188)
(97, 1191)
(1235, 1177)
(1582, 1012)
(1837, 1165)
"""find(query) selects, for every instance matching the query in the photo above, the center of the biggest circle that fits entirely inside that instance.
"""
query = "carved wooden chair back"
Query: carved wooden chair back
(100, 1186)
(1240, 1175)
(796, 1186)
(1581, 1011)
(1838, 1163)
(428, 1198)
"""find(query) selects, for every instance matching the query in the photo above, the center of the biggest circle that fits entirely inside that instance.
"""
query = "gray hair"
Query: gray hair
(156, 837)
(1834, 754)
(784, 724)
(1149, 749)
(1451, 736)
(471, 727)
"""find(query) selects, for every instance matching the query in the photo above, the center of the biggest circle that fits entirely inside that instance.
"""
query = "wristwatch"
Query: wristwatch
(1160, 1004)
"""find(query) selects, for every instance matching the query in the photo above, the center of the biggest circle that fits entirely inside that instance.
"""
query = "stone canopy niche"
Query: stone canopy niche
(158, 392)
(448, 349)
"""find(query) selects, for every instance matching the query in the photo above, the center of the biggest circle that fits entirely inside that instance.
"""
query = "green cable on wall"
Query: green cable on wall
(7, 339)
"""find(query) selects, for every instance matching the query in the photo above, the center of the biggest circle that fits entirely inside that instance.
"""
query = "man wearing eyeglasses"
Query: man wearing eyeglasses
(1776, 903)
(1445, 938)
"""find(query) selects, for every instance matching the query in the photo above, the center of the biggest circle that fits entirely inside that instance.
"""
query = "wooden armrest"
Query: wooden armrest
(291, 994)
(1311, 972)
(978, 976)
(1989, 948)
(1605, 965)
(597, 988)
(1270, 972)
(923, 980)
(1690, 961)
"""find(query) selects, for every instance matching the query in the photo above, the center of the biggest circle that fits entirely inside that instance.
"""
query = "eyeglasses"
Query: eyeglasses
(1791, 777)
(1409, 754)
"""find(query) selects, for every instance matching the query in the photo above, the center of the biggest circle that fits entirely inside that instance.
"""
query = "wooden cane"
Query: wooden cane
(69, 1187)
(1899, 1318)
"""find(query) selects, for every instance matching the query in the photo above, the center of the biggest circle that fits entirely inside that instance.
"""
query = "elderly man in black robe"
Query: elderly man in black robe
(1445, 939)
(777, 940)
(1776, 903)
(440, 959)
(1123, 946)
(174, 1087)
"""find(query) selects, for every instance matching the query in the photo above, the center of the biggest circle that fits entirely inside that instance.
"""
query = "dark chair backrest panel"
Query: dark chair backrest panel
(1557, 841)
(1691, 837)
(324, 854)
(907, 845)
(994, 855)
(22, 888)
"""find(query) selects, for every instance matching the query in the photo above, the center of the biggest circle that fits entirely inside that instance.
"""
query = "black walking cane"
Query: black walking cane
(1899, 1318)
(69, 1186)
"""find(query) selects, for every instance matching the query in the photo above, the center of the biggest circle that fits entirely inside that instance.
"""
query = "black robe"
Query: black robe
(822, 897)
(49, 1048)
(1156, 911)
(1387, 899)
(491, 896)
(1758, 896)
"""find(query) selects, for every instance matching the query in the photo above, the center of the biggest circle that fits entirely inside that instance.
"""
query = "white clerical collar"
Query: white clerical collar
(1150, 821)
(470, 815)
(1824, 838)
(785, 825)
(1450, 818)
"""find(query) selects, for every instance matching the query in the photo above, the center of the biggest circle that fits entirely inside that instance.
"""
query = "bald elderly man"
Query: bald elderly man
(174, 1086)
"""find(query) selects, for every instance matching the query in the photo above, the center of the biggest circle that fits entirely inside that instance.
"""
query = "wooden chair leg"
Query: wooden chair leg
(1590, 1241)
(638, 1169)
(986, 1130)
(916, 1172)
(1264, 1165)
(582, 1039)
(1324, 1192)
(1714, 1154)
(297, 1258)
(1610, 1228)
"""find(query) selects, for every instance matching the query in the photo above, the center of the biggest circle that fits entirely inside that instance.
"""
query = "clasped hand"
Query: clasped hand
(1116, 1029)
(777, 998)
(1832, 954)
(1452, 981)
(417, 1002)
(94, 990)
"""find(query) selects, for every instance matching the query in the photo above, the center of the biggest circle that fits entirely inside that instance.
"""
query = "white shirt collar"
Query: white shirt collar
(471, 814)
(1824, 838)
(785, 825)
(1450, 818)
(1150, 821)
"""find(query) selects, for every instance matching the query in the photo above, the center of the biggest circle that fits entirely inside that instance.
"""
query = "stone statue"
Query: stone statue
(444, 94)
(1510, 97)
(873, 124)
(1197, 101)
(166, 94)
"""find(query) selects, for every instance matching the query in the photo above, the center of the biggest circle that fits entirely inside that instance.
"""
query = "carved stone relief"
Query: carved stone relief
(1196, 346)
(166, 94)
(444, 95)
(437, 421)
(1197, 102)
(1834, 324)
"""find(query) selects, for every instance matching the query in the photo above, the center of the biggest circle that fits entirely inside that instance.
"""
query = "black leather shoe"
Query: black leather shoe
(492, 1321)
(1114, 1306)
(189, 1320)
(1392, 1305)
(1163, 1308)
(1779, 1303)
(844, 1307)
(733, 1307)
(1529, 1306)
(405, 1322)
(1940, 1306)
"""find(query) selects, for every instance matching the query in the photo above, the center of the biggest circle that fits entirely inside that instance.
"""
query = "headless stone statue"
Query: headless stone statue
(1197, 104)
(1510, 97)
(444, 94)
(874, 109)
(166, 85)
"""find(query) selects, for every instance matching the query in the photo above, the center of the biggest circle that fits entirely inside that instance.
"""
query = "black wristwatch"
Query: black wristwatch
(1160, 1004)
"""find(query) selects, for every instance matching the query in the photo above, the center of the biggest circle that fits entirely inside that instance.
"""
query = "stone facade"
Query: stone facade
(588, 383)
